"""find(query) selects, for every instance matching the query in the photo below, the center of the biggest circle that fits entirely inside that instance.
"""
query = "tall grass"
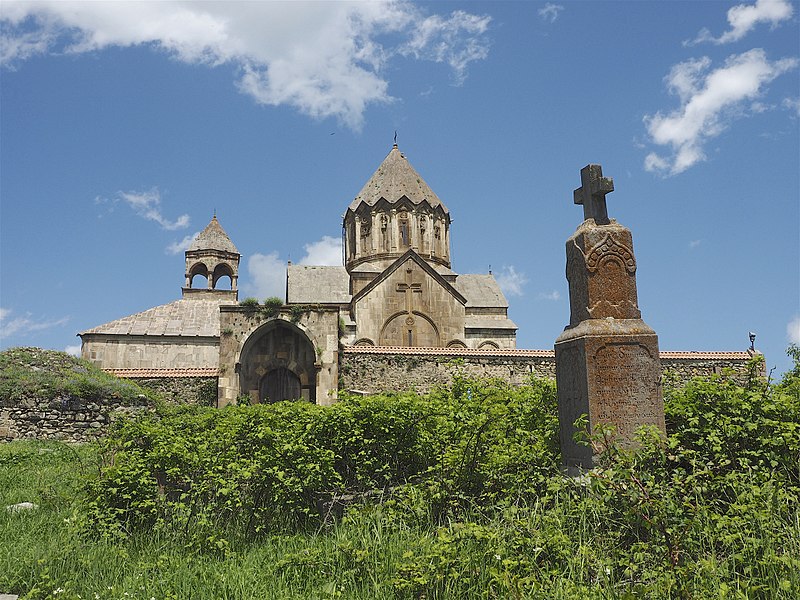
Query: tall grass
(548, 549)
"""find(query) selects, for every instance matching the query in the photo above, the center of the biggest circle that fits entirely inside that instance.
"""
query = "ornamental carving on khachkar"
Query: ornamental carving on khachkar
(607, 360)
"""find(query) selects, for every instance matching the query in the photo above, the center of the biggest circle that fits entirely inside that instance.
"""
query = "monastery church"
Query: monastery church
(395, 289)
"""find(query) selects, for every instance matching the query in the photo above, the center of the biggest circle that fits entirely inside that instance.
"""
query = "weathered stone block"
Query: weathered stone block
(607, 360)
(609, 370)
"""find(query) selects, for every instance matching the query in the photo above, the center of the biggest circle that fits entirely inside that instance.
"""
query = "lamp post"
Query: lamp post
(752, 342)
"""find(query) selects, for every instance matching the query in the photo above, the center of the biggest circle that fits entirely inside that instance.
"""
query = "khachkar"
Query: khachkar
(607, 361)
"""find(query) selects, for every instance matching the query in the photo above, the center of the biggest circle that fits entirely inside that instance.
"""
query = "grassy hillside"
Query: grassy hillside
(47, 374)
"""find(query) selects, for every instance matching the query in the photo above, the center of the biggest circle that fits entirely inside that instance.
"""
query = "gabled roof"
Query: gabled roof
(412, 255)
(317, 285)
(481, 291)
(213, 237)
(396, 179)
(190, 318)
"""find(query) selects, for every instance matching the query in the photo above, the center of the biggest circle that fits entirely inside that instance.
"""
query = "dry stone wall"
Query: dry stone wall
(64, 418)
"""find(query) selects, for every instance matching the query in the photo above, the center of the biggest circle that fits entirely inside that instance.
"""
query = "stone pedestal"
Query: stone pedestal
(607, 359)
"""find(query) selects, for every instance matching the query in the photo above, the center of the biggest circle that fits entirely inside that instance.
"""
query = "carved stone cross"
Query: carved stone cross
(592, 194)
(409, 289)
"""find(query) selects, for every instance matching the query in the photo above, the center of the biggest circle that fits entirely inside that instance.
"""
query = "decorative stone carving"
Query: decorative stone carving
(607, 358)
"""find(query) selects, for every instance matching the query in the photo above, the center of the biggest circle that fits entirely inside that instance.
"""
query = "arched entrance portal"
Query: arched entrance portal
(277, 363)
(279, 384)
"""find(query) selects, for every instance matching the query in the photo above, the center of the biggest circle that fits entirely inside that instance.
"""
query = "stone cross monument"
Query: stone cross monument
(607, 361)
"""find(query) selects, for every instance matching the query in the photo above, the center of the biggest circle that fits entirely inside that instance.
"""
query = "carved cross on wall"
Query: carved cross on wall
(409, 289)
(592, 194)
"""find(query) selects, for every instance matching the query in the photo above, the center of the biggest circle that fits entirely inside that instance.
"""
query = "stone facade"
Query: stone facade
(608, 366)
(255, 344)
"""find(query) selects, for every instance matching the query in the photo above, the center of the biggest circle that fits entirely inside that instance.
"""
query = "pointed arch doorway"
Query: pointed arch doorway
(278, 362)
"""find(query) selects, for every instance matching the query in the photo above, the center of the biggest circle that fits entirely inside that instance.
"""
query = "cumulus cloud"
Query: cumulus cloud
(325, 59)
(550, 12)
(325, 252)
(511, 281)
(710, 101)
(267, 276)
(793, 330)
(23, 325)
(73, 350)
(554, 295)
(742, 18)
(183, 245)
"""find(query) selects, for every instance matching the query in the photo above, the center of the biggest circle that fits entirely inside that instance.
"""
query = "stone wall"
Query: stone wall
(375, 369)
(63, 418)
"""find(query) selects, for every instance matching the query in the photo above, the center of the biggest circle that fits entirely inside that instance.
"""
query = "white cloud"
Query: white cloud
(325, 59)
(457, 41)
(694, 244)
(25, 324)
(554, 295)
(148, 206)
(550, 11)
(742, 18)
(267, 276)
(709, 102)
(183, 245)
(73, 350)
(510, 281)
(793, 330)
(325, 252)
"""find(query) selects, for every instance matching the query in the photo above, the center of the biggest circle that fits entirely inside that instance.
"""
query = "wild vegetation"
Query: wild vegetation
(457, 494)
(47, 374)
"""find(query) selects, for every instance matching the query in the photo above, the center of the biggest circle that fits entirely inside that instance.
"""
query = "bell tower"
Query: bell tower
(212, 256)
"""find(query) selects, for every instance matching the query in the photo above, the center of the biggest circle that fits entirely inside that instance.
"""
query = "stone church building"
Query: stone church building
(395, 289)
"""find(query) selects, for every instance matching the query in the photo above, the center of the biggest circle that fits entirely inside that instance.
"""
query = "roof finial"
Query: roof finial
(215, 212)
(395, 138)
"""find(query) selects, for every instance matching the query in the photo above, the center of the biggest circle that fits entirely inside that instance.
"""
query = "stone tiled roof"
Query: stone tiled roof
(481, 291)
(394, 179)
(213, 237)
(151, 373)
(311, 285)
(186, 317)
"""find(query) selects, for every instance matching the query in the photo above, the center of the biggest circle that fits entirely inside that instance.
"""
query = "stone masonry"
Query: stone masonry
(607, 359)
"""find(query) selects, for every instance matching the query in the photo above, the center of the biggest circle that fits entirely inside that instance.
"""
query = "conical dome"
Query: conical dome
(213, 237)
(393, 180)
(396, 211)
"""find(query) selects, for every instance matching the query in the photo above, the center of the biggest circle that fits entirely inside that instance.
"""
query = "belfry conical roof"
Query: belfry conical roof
(213, 237)
(394, 179)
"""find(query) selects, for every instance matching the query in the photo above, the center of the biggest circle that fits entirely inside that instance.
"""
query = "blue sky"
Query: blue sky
(123, 126)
